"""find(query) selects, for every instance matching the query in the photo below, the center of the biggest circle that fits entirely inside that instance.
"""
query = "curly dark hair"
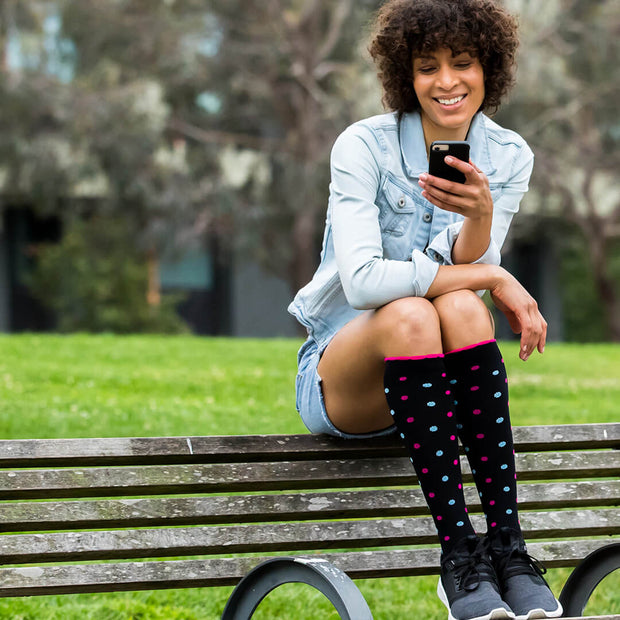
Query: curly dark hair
(404, 29)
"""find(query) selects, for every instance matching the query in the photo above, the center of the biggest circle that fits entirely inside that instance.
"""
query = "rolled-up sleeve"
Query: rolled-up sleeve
(505, 206)
(368, 280)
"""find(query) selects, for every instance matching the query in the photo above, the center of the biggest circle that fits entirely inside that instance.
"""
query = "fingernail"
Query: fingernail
(423, 177)
(449, 159)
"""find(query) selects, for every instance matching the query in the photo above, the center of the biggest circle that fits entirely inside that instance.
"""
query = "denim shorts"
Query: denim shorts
(309, 395)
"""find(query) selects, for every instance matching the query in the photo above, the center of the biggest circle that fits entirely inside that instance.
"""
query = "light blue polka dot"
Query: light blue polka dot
(402, 435)
(459, 426)
(452, 502)
(392, 412)
(445, 478)
(430, 403)
(456, 402)
(411, 460)
(427, 385)
(387, 390)
(433, 429)
(453, 381)
(439, 453)
(502, 444)
(499, 420)
(506, 489)
(509, 512)
(473, 471)
(466, 449)
(480, 494)
(460, 524)
(504, 466)
(495, 373)
(497, 394)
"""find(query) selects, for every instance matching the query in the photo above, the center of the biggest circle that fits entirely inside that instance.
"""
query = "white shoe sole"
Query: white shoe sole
(538, 614)
(496, 614)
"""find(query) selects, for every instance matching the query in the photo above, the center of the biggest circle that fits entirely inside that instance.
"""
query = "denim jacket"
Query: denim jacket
(382, 239)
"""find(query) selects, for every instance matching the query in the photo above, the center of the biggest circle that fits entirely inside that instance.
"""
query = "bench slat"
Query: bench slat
(102, 514)
(32, 581)
(160, 450)
(162, 479)
(127, 544)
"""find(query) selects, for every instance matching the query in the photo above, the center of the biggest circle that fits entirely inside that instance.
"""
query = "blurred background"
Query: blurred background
(164, 163)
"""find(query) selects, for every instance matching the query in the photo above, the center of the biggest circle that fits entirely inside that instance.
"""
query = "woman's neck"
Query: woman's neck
(434, 132)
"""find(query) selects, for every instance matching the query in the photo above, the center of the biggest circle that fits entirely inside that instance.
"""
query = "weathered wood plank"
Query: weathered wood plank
(102, 514)
(288, 537)
(226, 478)
(161, 450)
(124, 576)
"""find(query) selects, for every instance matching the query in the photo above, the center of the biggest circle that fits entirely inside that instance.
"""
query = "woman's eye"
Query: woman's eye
(426, 69)
(464, 65)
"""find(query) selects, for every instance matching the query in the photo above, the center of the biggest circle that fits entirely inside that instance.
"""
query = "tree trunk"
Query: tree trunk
(153, 293)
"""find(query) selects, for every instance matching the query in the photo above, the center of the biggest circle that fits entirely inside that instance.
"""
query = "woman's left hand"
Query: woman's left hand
(471, 199)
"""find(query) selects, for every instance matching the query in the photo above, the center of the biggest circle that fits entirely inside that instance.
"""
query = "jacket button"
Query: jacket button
(427, 217)
(402, 202)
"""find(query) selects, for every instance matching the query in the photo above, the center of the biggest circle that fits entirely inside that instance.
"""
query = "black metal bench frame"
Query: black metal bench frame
(569, 498)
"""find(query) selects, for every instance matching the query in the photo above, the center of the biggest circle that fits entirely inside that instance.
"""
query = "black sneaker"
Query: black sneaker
(468, 585)
(520, 576)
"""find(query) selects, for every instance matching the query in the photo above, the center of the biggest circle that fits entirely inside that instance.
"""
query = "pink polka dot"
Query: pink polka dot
(403, 378)
(489, 480)
(431, 495)
(480, 436)
(447, 392)
(452, 437)
(484, 458)
(477, 412)
(404, 397)
(416, 446)
(450, 414)
(515, 476)
(410, 420)
(439, 518)
(425, 471)
(506, 380)
(493, 524)
(466, 509)
(492, 502)
(502, 360)
(460, 486)
(456, 461)
(443, 374)
(447, 538)
(475, 367)
(475, 388)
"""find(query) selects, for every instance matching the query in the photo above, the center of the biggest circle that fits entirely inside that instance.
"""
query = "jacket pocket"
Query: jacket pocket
(396, 207)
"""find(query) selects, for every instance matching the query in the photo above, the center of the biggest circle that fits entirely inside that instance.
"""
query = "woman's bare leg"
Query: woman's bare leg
(352, 365)
(464, 319)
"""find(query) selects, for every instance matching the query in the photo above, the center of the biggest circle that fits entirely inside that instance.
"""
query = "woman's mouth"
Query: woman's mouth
(450, 101)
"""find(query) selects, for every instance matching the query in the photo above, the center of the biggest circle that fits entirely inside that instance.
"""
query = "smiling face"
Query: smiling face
(450, 90)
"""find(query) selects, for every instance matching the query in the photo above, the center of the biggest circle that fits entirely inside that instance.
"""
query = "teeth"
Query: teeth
(451, 101)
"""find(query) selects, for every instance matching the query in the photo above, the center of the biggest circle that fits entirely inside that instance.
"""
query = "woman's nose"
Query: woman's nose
(446, 78)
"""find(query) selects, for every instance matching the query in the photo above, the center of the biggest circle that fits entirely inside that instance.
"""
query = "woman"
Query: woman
(399, 341)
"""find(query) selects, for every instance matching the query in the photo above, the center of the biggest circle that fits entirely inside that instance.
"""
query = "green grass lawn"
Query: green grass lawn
(106, 386)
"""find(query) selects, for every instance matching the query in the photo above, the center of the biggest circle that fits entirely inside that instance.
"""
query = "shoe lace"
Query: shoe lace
(519, 561)
(471, 572)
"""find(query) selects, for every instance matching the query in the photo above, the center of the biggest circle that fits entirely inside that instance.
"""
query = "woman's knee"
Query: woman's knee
(411, 321)
(463, 315)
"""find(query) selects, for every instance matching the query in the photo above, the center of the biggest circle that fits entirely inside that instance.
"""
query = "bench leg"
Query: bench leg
(586, 576)
(320, 574)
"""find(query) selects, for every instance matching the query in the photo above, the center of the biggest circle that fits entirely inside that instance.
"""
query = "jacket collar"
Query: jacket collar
(413, 147)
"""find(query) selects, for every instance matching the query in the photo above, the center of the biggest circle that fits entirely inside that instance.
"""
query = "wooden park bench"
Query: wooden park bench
(116, 508)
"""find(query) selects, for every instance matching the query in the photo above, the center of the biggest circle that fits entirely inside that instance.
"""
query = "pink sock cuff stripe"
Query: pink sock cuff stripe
(472, 346)
(417, 357)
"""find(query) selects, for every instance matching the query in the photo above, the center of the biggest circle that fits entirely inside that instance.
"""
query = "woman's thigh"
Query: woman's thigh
(352, 366)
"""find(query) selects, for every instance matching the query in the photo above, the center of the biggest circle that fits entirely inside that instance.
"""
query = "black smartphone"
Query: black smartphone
(439, 150)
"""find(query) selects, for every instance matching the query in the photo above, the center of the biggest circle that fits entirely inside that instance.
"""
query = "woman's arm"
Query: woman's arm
(510, 297)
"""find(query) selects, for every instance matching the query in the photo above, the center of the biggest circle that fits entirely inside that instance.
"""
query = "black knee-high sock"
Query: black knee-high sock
(480, 386)
(420, 402)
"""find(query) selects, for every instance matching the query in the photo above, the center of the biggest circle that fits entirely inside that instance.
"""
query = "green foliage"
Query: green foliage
(96, 280)
(111, 386)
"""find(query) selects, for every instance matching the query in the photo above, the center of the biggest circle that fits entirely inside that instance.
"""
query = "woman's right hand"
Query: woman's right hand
(522, 313)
